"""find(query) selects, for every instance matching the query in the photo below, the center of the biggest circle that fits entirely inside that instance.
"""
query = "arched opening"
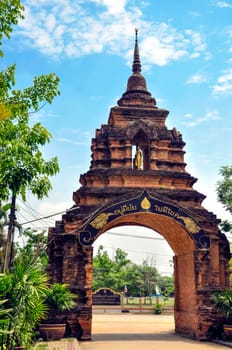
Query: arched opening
(142, 145)
(188, 241)
(141, 269)
(140, 243)
(183, 247)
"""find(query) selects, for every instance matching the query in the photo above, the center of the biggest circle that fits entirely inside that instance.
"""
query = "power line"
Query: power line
(134, 236)
(48, 216)
(29, 214)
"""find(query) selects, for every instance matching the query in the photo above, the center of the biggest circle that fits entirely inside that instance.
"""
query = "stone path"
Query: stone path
(63, 344)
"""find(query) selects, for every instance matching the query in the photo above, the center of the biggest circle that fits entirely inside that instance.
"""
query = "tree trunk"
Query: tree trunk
(10, 236)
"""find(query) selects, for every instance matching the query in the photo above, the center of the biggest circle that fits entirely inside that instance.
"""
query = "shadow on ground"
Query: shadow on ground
(161, 336)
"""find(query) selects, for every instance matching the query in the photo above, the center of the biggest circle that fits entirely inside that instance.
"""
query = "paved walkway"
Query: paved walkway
(137, 332)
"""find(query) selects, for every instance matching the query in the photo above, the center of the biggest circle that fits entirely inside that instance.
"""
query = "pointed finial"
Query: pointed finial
(136, 33)
(136, 67)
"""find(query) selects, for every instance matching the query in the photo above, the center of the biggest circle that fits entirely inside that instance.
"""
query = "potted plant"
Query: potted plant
(158, 309)
(58, 299)
(223, 302)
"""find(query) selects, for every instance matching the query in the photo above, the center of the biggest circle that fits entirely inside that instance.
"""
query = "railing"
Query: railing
(166, 310)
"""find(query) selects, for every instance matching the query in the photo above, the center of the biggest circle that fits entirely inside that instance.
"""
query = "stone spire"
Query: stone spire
(136, 93)
(136, 67)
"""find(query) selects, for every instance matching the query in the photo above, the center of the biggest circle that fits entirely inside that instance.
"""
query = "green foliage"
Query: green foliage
(28, 299)
(166, 284)
(3, 217)
(224, 195)
(59, 298)
(158, 309)
(149, 278)
(24, 290)
(223, 302)
(120, 272)
(108, 273)
(102, 266)
(28, 100)
(226, 226)
(22, 166)
(224, 188)
(10, 14)
(34, 250)
(4, 318)
(134, 280)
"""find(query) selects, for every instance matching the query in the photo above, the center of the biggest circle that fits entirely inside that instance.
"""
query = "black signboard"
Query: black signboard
(106, 296)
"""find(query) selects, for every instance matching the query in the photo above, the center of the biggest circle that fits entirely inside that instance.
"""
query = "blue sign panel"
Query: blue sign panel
(143, 203)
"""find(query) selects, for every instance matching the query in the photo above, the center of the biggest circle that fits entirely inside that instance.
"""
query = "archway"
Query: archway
(158, 195)
(183, 234)
(199, 261)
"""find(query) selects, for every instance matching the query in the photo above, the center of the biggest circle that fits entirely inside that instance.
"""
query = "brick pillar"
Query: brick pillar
(84, 315)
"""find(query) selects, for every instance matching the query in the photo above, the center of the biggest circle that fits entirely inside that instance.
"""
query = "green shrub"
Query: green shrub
(158, 309)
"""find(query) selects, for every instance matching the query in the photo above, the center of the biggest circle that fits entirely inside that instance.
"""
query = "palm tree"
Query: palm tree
(24, 289)
(223, 303)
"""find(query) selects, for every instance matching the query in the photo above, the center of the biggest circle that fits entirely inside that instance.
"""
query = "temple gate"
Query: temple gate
(137, 176)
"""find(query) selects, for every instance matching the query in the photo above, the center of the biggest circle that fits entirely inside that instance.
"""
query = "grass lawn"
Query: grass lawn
(139, 304)
(169, 302)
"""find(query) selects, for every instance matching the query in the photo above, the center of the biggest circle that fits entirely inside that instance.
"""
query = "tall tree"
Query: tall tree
(224, 194)
(149, 276)
(224, 187)
(10, 13)
(118, 272)
(102, 266)
(22, 166)
(34, 249)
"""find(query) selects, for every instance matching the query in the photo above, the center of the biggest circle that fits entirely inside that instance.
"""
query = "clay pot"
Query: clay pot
(227, 328)
(52, 331)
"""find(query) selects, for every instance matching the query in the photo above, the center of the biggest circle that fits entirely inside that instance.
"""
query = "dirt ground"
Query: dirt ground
(138, 332)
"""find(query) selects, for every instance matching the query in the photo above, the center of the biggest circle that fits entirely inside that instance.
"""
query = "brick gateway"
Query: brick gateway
(137, 176)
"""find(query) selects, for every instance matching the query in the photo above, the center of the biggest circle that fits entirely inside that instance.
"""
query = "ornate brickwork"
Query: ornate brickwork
(137, 176)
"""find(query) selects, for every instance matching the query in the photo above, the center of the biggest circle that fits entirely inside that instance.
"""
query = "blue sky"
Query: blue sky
(186, 54)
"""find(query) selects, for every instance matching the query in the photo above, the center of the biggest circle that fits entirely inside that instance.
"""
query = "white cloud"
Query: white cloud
(73, 29)
(113, 7)
(39, 116)
(223, 4)
(47, 208)
(159, 53)
(224, 83)
(197, 79)
(210, 116)
(188, 115)
(80, 137)
(196, 40)
(72, 142)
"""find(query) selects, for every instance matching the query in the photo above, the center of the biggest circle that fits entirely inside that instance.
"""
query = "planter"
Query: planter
(227, 328)
(52, 331)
